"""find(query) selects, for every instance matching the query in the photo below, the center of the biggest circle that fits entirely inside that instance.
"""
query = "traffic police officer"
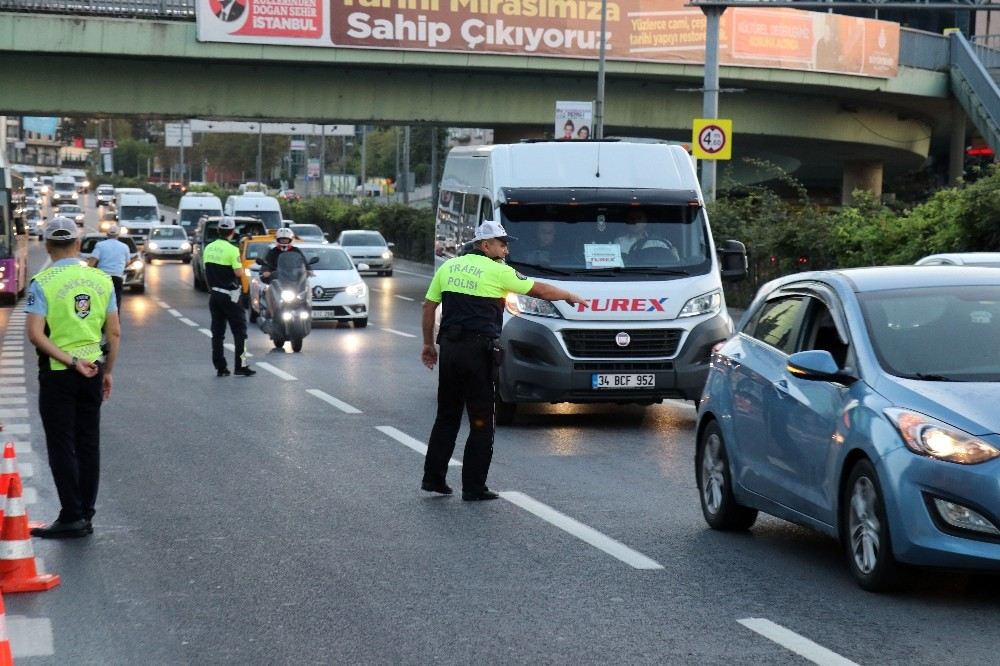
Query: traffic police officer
(471, 290)
(223, 271)
(70, 306)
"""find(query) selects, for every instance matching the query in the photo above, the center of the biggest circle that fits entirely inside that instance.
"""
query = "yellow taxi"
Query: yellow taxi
(252, 248)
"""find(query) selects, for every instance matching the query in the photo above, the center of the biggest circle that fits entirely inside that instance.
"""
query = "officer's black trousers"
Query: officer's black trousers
(225, 311)
(70, 407)
(465, 381)
(119, 283)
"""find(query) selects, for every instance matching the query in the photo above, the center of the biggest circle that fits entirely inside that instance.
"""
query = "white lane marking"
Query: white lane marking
(17, 352)
(410, 442)
(11, 371)
(376, 290)
(395, 332)
(205, 331)
(281, 374)
(162, 304)
(329, 399)
(26, 470)
(423, 275)
(175, 312)
(583, 532)
(790, 640)
(16, 429)
(30, 495)
(30, 636)
(13, 413)
(13, 401)
(22, 448)
(12, 361)
(404, 298)
(189, 322)
(10, 388)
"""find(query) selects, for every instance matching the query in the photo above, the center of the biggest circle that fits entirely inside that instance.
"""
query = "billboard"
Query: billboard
(660, 30)
(574, 120)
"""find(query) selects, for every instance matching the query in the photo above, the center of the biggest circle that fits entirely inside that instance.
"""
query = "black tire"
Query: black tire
(186, 260)
(296, 344)
(505, 412)
(388, 273)
(361, 323)
(715, 485)
(138, 289)
(865, 530)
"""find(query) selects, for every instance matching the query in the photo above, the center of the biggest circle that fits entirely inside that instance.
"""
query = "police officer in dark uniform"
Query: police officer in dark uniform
(223, 271)
(471, 290)
(70, 307)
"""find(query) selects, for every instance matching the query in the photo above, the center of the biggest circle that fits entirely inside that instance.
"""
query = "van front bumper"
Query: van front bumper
(537, 368)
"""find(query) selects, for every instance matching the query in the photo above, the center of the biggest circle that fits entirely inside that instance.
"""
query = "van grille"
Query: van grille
(645, 343)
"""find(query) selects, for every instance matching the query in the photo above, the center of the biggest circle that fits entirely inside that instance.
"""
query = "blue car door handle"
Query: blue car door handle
(781, 387)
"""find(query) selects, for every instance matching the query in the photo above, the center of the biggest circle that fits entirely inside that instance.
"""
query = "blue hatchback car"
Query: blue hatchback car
(863, 403)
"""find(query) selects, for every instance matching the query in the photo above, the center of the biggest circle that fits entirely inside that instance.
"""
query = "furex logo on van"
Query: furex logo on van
(623, 305)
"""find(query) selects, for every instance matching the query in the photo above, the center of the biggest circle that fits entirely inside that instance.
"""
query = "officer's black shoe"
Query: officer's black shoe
(62, 530)
(90, 525)
(480, 495)
(439, 487)
(222, 373)
(245, 372)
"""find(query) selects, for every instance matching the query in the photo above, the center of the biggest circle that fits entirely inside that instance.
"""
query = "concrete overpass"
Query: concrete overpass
(827, 128)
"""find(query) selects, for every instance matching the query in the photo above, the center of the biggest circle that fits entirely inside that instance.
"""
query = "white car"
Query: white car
(73, 212)
(168, 242)
(985, 259)
(338, 292)
(367, 247)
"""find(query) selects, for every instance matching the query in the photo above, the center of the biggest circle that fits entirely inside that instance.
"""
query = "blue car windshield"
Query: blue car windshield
(936, 334)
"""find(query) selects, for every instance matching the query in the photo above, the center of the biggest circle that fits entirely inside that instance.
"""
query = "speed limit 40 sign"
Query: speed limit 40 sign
(712, 139)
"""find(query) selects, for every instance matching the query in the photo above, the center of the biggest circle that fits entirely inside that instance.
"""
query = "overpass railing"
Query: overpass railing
(152, 9)
(975, 88)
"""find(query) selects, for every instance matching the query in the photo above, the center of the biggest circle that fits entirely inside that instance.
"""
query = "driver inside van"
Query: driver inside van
(637, 237)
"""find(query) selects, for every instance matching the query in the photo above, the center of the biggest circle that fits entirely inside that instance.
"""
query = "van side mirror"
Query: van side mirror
(732, 260)
(313, 260)
(163, 218)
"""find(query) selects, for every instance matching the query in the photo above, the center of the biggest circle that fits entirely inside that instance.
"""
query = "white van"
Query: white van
(255, 204)
(63, 190)
(121, 191)
(195, 205)
(137, 214)
(624, 226)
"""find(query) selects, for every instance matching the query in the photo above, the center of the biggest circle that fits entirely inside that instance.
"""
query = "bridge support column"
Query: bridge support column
(956, 150)
(861, 175)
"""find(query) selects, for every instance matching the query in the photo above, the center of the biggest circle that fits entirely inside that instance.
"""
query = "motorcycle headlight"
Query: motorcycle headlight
(287, 295)
(710, 303)
(520, 304)
(936, 439)
(357, 290)
(185, 246)
(387, 255)
(154, 246)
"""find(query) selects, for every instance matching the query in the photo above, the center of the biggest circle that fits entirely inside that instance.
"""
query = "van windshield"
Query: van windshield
(597, 241)
(270, 218)
(139, 214)
(189, 218)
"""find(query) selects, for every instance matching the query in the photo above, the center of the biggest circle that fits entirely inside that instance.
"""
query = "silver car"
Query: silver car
(985, 259)
(168, 242)
(368, 247)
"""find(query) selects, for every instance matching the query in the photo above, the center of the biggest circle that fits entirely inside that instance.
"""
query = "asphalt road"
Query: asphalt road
(278, 520)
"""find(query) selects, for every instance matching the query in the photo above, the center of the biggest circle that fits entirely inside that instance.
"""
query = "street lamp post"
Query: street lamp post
(599, 103)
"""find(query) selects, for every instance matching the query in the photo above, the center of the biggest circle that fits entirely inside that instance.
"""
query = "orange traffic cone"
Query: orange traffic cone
(8, 470)
(6, 657)
(17, 559)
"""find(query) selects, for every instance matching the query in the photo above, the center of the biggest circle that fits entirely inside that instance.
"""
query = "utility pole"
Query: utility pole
(322, 160)
(395, 131)
(364, 157)
(710, 104)
(434, 168)
(182, 152)
(599, 104)
(260, 151)
(406, 165)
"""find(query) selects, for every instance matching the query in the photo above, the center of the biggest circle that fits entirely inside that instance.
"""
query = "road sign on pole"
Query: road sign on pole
(712, 139)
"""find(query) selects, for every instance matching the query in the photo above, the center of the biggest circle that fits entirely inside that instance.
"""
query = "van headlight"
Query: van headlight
(357, 290)
(520, 304)
(936, 439)
(710, 303)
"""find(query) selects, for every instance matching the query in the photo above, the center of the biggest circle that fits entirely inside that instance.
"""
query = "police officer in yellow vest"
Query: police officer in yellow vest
(223, 270)
(471, 290)
(70, 306)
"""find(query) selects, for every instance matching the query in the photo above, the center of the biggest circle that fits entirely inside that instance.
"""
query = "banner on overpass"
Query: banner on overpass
(661, 31)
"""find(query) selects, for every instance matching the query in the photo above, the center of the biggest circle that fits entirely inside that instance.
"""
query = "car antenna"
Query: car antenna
(598, 174)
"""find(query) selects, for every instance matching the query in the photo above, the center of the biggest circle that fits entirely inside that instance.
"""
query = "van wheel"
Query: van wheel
(505, 412)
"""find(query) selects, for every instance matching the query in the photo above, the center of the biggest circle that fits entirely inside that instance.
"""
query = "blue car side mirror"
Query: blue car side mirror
(818, 365)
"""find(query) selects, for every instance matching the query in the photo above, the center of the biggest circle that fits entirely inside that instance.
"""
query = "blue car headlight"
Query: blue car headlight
(936, 439)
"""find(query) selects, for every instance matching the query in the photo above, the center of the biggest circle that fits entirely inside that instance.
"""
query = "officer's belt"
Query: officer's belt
(227, 292)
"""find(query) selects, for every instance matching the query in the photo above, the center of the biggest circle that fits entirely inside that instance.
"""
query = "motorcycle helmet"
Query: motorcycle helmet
(284, 234)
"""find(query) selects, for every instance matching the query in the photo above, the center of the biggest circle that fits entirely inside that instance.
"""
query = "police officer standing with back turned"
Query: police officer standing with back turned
(471, 290)
(70, 306)
(223, 271)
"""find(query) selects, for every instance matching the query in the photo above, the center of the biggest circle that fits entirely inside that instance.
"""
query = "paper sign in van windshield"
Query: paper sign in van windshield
(603, 255)
(670, 31)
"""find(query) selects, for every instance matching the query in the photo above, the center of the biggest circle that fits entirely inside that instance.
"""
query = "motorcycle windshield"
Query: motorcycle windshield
(291, 268)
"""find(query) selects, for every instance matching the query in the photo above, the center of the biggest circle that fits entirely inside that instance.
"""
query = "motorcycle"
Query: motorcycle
(287, 303)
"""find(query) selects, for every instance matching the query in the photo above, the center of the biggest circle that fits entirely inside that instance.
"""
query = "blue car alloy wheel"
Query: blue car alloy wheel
(715, 484)
(866, 530)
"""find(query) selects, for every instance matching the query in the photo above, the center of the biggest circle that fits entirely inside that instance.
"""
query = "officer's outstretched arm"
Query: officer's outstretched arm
(552, 293)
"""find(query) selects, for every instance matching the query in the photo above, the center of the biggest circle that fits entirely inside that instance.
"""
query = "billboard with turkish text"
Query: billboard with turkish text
(660, 30)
